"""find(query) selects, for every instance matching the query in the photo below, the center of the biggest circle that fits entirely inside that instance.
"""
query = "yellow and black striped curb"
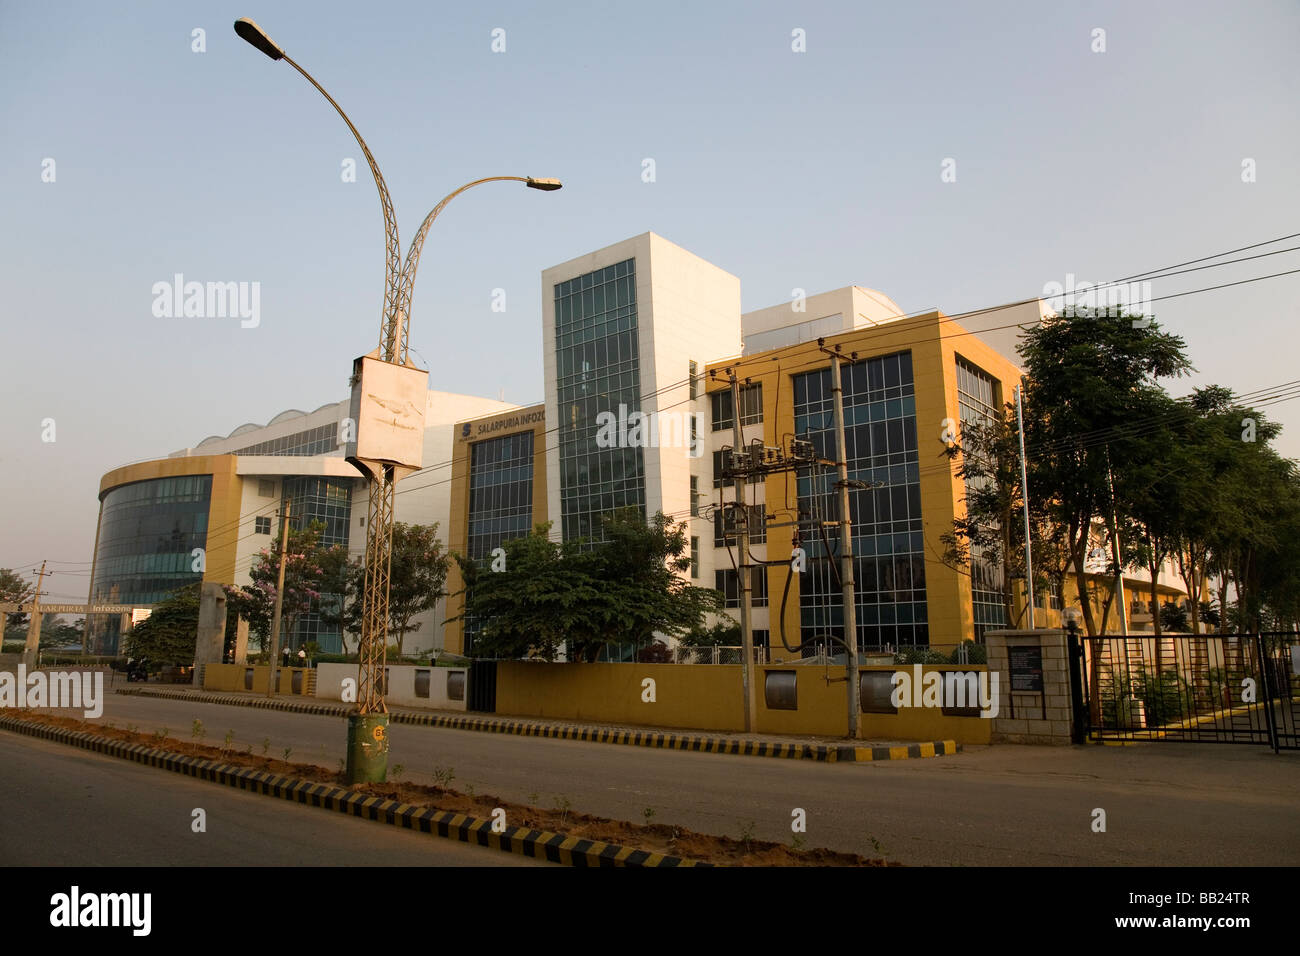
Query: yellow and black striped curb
(827, 753)
(538, 844)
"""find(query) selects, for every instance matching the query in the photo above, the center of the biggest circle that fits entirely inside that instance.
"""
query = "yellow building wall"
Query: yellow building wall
(230, 677)
(223, 507)
(708, 697)
(935, 342)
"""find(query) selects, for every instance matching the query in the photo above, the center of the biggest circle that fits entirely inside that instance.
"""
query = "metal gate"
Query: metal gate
(1204, 688)
(482, 687)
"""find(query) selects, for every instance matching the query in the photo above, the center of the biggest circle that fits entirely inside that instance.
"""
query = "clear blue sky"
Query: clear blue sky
(814, 170)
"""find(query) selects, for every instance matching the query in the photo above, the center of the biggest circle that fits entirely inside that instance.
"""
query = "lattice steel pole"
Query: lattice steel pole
(387, 411)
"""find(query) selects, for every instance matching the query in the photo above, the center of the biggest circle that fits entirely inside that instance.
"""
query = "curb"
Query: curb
(538, 844)
(826, 753)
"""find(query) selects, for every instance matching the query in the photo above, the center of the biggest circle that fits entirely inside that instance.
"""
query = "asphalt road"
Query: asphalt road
(68, 807)
(1165, 803)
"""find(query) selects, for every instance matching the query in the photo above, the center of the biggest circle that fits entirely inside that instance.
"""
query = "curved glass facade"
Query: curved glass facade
(147, 537)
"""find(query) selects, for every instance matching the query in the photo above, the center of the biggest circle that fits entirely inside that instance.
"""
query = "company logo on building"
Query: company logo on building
(956, 690)
(208, 300)
(630, 429)
(502, 424)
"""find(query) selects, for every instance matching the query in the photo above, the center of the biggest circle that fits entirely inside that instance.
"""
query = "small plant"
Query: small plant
(469, 788)
(648, 814)
(197, 731)
(797, 841)
(342, 765)
(132, 728)
(109, 725)
(398, 770)
(266, 745)
(287, 752)
(533, 798)
(248, 750)
(747, 833)
(227, 740)
(443, 776)
(563, 806)
(875, 844)
(161, 735)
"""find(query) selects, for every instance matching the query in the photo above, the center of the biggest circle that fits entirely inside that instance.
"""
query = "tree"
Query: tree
(626, 588)
(311, 570)
(256, 606)
(56, 632)
(724, 633)
(15, 589)
(547, 594)
(642, 566)
(418, 580)
(169, 634)
(1091, 379)
(991, 531)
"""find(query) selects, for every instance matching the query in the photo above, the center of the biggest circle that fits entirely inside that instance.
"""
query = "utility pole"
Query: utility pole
(90, 597)
(33, 644)
(1024, 494)
(742, 540)
(279, 601)
(1114, 547)
(846, 547)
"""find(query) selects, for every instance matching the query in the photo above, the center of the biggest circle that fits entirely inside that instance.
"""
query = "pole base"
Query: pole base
(367, 748)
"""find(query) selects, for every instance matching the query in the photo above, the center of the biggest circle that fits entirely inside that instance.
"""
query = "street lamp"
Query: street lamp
(387, 411)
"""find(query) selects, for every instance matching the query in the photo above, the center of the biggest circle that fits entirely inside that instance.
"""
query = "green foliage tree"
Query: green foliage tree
(169, 634)
(724, 633)
(15, 589)
(418, 578)
(312, 571)
(625, 589)
(56, 632)
(1090, 379)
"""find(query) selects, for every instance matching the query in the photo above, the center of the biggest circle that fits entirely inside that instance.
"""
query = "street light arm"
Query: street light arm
(392, 278)
(406, 286)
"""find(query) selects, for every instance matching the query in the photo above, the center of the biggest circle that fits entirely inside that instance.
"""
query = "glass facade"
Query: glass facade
(313, 441)
(148, 533)
(329, 501)
(500, 501)
(888, 541)
(598, 370)
(977, 404)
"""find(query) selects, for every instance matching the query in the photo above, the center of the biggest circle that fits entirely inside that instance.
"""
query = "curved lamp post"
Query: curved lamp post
(388, 374)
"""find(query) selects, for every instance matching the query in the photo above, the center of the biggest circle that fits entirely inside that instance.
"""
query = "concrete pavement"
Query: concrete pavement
(1165, 803)
(68, 807)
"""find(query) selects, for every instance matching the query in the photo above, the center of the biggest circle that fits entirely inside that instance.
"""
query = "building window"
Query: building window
(977, 404)
(1056, 595)
(695, 496)
(500, 502)
(695, 381)
(262, 525)
(888, 540)
(724, 530)
(265, 488)
(751, 406)
(728, 583)
(695, 557)
(597, 371)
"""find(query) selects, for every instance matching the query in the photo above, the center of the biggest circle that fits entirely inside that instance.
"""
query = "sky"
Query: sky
(952, 155)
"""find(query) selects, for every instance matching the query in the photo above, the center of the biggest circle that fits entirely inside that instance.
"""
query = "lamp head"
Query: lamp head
(546, 185)
(252, 33)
